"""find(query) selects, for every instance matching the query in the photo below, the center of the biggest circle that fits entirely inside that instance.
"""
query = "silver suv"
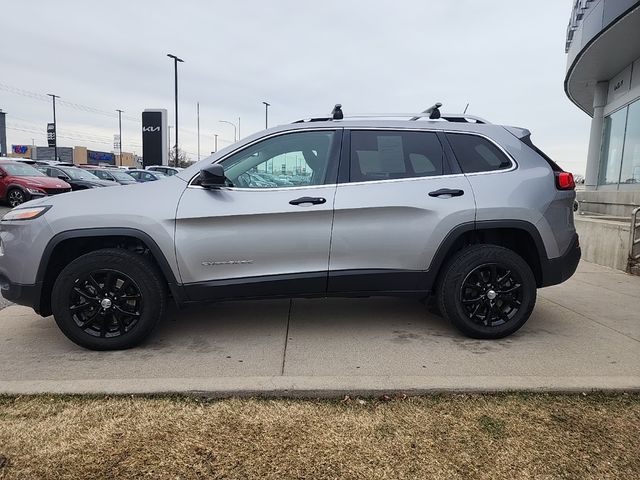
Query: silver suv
(449, 205)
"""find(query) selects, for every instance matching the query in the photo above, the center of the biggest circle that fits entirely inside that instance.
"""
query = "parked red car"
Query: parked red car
(20, 182)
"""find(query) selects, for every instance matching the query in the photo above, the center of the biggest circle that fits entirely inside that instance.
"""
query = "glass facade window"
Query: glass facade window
(630, 173)
(612, 146)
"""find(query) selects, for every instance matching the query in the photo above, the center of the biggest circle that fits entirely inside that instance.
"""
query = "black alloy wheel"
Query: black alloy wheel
(109, 299)
(486, 291)
(491, 294)
(105, 303)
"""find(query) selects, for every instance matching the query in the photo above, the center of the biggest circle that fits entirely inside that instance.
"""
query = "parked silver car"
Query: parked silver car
(450, 206)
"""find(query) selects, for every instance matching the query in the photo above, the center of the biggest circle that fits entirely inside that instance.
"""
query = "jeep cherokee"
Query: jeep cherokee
(448, 205)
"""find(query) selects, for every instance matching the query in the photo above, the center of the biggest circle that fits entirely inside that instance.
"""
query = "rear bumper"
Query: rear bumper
(557, 270)
(28, 295)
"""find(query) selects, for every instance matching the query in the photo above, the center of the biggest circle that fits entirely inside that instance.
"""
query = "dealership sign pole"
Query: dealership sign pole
(51, 134)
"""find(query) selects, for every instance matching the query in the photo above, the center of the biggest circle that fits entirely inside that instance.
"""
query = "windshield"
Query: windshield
(79, 174)
(121, 175)
(22, 170)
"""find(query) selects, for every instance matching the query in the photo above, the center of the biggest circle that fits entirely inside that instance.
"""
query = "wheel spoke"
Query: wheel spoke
(502, 278)
(124, 312)
(472, 300)
(86, 295)
(511, 289)
(95, 284)
(81, 306)
(90, 321)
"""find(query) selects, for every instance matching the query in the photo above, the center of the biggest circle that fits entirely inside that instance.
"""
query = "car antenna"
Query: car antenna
(337, 114)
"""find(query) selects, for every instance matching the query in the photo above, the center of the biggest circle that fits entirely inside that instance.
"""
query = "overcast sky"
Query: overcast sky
(506, 58)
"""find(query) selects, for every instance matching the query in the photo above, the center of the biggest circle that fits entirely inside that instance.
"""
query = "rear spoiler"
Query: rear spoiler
(524, 136)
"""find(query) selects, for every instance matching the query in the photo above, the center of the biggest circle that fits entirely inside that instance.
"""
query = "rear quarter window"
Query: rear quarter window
(477, 154)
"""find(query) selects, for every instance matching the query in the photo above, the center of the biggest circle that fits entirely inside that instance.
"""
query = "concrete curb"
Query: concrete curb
(326, 387)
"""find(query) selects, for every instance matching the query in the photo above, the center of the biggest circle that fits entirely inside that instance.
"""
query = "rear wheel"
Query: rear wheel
(487, 291)
(15, 197)
(109, 299)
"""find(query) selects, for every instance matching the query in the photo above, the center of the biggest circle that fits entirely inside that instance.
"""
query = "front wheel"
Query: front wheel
(487, 291)
(109, 299)
(16, 197)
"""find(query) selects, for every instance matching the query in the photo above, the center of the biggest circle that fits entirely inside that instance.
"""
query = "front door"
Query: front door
(268, 232)
(401, 200)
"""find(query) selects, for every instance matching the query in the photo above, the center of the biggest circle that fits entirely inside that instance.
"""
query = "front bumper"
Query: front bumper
(28, 295)
(557, 270)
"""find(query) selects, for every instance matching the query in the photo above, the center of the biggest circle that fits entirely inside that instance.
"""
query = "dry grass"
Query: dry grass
(457, 436)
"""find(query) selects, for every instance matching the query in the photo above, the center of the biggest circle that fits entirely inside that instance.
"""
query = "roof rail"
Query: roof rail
(431, 113)
(448, 117)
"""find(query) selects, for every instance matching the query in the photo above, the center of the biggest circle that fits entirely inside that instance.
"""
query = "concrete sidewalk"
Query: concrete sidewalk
(583, 335)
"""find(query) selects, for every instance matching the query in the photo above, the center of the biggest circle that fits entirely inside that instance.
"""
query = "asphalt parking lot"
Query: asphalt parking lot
(583, 335)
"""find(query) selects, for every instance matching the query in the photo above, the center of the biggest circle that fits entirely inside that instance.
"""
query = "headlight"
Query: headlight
(36, 191)
(25, 213)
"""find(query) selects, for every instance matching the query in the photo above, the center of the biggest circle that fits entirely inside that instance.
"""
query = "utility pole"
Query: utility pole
(120, 134)
(198, 112)
(55, 127)
(215, 142)
(175, 67)
(266, 114)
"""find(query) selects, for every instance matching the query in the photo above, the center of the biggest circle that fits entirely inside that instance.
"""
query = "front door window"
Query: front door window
(292, 160)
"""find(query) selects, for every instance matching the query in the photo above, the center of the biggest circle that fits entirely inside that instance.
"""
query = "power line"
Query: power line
(76, 106)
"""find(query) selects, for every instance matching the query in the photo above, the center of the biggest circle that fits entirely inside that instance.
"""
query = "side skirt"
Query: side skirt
(349, 283)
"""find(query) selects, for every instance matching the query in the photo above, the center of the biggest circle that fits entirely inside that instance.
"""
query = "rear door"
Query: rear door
(401, 196)
(268, 232)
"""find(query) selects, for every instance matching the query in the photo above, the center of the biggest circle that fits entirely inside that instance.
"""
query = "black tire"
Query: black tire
(15, 197)
(477, 297)
(132, 284)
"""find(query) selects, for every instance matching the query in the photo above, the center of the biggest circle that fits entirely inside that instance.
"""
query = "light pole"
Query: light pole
(235, 129)
(175, 68)
(215, 142)
(120, 134)
(238, 128)
(198, 114)
(266, 114)
(55, 127)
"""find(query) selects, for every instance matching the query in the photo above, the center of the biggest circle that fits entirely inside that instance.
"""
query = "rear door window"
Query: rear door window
(477, 154)
(385, 155)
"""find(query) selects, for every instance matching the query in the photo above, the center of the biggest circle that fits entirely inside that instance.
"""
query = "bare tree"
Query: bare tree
(182, 161)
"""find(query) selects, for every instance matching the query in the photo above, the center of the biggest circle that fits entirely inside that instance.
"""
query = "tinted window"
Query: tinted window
(477, 154)
(378, 155)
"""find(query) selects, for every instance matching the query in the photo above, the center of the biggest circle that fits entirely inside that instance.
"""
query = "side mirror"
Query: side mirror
(212, 176)
(63, 177)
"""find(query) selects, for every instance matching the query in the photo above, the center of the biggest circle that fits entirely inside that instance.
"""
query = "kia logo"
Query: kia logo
(150, 129)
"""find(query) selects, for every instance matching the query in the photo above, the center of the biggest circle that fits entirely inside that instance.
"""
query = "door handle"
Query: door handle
(452, 192)
(312, 200)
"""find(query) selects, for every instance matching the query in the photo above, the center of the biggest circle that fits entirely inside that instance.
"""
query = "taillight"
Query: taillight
(565, 181)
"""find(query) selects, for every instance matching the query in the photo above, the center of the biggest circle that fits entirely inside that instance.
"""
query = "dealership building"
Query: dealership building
(603, 80)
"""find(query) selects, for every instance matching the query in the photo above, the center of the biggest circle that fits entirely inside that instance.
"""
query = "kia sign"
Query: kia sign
(51, 134)
(154, 137)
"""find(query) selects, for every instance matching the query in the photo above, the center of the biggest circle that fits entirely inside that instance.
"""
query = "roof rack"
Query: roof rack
(431, 113)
